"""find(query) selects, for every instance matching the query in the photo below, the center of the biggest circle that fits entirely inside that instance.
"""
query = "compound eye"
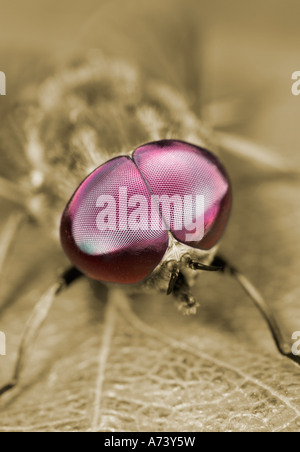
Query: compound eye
(178, 173)
(101, 231)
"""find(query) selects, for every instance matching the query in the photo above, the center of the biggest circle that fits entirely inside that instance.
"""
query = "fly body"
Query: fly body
(83, 129)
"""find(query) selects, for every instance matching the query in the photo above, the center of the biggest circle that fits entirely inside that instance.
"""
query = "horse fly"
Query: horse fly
(75, 124)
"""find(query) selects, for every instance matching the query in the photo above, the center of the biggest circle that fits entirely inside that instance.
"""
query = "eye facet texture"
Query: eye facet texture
(117, 254)
(108, 228)
(178, 168)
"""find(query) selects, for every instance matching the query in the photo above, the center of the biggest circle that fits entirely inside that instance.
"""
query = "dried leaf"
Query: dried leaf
(112, 366)
(103, 363)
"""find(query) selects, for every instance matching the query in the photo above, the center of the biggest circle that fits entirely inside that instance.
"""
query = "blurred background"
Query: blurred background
(246, 51)
(233, 61)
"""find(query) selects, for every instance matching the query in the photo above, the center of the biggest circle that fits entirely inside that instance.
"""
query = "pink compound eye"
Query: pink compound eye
(182, 172)
(114, 228)
(102, 230)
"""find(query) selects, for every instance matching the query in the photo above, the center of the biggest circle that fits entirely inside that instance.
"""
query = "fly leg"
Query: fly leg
(186, 302)
(283, 346)
(35, 322)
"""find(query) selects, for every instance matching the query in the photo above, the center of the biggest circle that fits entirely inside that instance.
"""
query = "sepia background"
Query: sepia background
(219, 370)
